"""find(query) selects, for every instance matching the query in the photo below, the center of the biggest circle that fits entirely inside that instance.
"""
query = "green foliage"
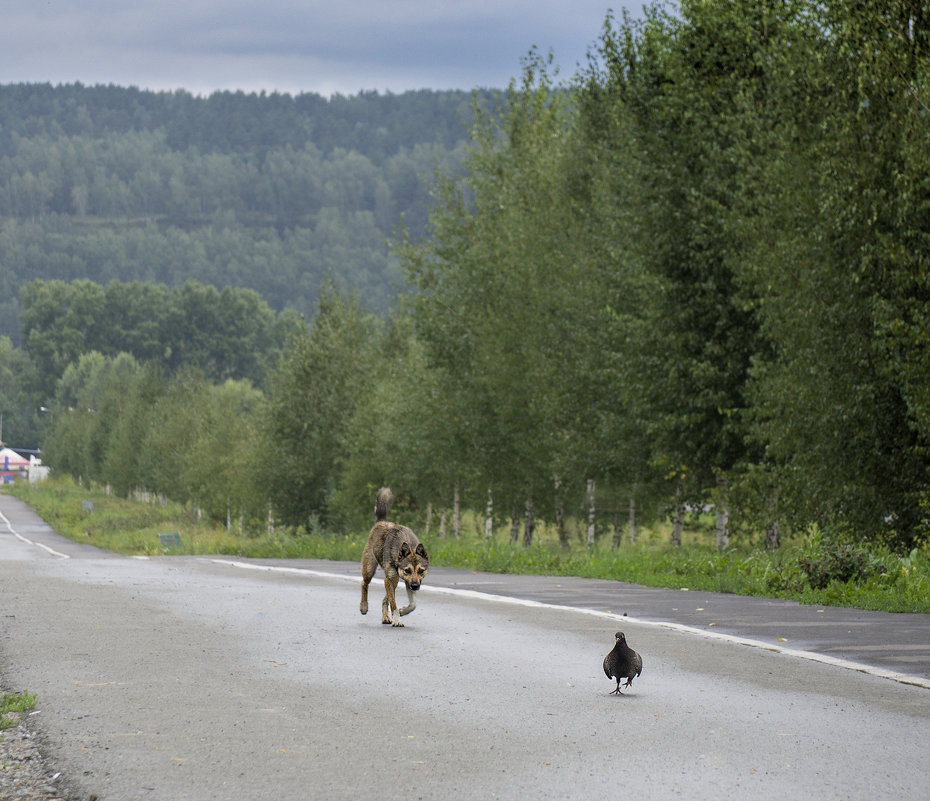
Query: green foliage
(504, 307)
(20, 399)
(399, 435)
(829, 562)
(831, 399)
(130, 428)
(312, 398)
(270, 193)
(699, 269)
(232, 122)
(768, 306)
(225, 334)
(687, 344)
(11, 703)
(130, 526)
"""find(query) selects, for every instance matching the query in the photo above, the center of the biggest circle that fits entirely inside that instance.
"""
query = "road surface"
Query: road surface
(198, 678)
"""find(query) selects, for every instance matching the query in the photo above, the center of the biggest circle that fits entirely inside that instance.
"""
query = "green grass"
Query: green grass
(131, 527)
(12, 703)
(903, 586)
(808, 570)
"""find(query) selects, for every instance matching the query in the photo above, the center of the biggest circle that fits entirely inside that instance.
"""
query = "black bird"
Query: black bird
(622, 663)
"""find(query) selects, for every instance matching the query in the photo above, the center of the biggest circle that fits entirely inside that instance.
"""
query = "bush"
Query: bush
(834, 562)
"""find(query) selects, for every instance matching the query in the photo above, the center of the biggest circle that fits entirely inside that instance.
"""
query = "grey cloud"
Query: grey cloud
(289, 45)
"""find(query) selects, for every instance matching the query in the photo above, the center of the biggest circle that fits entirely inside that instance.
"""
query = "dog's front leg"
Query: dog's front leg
(411, 602)
(389, 604)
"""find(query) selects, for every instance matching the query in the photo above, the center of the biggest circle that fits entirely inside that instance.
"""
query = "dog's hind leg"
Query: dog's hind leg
(411, 602)
(369, 566)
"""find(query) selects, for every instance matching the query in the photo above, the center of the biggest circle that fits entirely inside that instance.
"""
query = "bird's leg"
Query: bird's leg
(617, 690)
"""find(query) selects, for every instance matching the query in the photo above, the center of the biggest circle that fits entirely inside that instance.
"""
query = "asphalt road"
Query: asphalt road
(194, 678)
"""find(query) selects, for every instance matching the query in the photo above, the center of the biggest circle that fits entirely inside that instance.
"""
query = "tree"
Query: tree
(838, 402)
(227, 334)
(403, 434)
(312, 397)
(88, 404)
(128, 464)
(677, 82)
(223, 470)
(501, 303)
(57, 320)
(19, 403)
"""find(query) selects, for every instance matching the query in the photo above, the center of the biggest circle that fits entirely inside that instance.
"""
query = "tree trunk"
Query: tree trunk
(772, 536)
(429, 516)
(529, 524)
(456, 512)
(632, 521)
(514, 526)
(615, 539)
(489, 517)
(723, 511)
(591, 512)
(678, 523)
(442, 524)
(772, 533)
(560, 514)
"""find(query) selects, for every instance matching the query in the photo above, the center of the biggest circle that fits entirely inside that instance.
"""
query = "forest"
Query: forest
(272, 193)
(694, 275)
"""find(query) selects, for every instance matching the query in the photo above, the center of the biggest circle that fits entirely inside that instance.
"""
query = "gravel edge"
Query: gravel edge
(25, 773)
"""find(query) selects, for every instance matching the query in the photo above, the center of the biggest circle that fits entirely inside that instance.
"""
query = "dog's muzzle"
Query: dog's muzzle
(414, 585)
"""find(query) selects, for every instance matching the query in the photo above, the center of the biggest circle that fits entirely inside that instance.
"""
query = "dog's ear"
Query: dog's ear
(404, 551)
(421, 551)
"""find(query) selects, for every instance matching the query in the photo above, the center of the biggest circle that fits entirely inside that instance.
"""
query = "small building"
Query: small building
(37, 470)
(12, 466)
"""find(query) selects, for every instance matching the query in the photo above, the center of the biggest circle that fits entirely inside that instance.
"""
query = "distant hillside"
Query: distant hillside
(269, 192)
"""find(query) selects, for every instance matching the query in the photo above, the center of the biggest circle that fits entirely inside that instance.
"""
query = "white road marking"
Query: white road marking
(813, 656)
(20, 537)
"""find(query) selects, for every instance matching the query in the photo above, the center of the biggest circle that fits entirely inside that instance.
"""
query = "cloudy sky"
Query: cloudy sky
(322, 46)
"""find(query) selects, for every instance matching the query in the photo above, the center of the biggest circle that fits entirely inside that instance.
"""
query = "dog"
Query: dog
(401, 556)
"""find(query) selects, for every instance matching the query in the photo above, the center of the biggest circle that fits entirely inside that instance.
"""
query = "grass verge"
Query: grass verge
(13, 703)
(810, 570)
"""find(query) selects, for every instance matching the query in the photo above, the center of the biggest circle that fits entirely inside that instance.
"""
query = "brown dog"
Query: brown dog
(401, 556)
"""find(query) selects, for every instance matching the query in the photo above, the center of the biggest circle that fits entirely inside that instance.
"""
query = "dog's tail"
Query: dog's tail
(383, 501)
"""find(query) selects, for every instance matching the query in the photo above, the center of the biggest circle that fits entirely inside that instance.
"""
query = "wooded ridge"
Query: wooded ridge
(268, 192)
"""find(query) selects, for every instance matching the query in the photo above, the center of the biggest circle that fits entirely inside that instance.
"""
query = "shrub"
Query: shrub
(831, 562)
